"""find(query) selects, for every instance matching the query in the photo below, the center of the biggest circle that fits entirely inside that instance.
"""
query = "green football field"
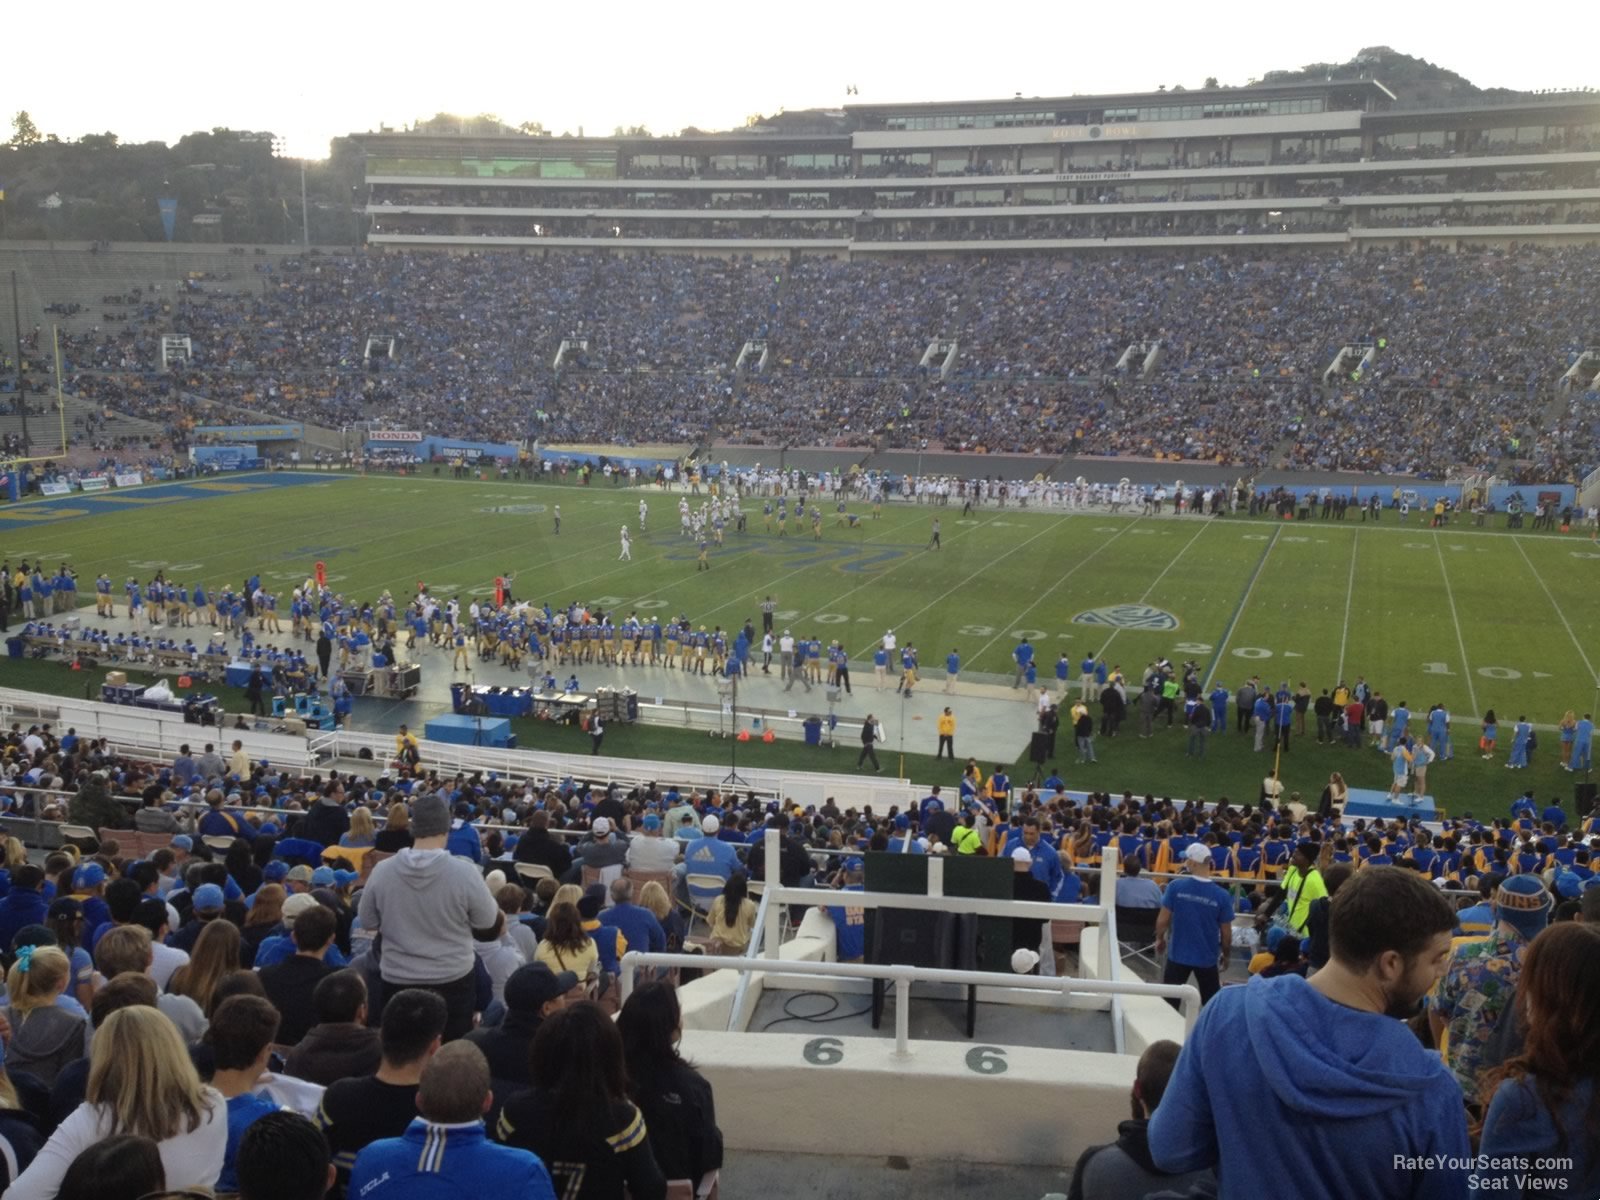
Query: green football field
(1474, 619)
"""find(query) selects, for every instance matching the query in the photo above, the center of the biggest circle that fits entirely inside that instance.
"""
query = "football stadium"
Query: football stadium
(422, 636)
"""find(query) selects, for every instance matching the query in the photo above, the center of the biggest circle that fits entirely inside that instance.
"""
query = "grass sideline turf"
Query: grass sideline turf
(1473, 618)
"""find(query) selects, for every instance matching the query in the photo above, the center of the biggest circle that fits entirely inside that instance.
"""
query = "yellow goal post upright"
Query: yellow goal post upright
(11, 467)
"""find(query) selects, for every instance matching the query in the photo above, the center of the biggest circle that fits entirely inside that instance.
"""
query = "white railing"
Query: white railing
(149, 731)
(1187, 995)
(762, 954)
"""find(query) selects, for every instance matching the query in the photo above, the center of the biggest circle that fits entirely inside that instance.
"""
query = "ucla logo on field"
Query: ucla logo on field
(1128, 616)
(518, 509)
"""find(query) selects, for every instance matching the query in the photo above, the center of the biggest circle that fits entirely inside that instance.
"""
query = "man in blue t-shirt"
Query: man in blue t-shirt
(850, 924)
(1197, 918)
(1023, 657)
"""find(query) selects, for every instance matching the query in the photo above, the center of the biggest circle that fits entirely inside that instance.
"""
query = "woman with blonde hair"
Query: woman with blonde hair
(216, 952)
(1567, 728)
(654, 897)
(16, 854)
(565, 946)
(567, 893)
(396, 832)
(45, 1037)
(362, 832)
(141, 1082)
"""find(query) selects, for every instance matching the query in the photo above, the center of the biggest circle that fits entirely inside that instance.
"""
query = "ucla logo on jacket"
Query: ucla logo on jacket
(1128, 616)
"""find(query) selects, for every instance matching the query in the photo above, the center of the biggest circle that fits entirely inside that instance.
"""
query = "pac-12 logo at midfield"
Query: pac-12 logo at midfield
(1128, 616)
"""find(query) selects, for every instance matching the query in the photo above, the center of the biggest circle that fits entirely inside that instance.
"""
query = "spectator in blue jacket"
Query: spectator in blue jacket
(1280, 1079)
(706, 855)
(464, 839)
(636, 923)
(24, 904)
(445, 1153)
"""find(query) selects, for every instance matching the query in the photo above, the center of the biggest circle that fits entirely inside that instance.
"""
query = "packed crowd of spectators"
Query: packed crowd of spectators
(362, 948)
(652, 342)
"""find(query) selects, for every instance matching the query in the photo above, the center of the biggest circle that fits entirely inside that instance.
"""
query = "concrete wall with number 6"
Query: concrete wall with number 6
(794, 1093)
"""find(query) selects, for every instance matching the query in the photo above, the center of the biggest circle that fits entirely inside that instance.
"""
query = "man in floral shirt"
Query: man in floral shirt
(1466, 1007)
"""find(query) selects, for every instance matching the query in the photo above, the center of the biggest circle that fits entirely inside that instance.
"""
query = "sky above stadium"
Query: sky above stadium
(310, 72)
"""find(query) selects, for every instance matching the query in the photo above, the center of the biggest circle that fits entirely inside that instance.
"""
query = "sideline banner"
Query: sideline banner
(224, 458)
(133, 479)
(55, 487)
(95, 483)
(289, 432)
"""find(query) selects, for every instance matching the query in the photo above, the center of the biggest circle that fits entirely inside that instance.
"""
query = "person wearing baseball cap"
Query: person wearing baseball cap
(1480, 983)
(431, 907)
(206, 905)
(299, 879)
(532, 993)
(650, 851)
(604, 847)
(1196, 917)
(706, 855)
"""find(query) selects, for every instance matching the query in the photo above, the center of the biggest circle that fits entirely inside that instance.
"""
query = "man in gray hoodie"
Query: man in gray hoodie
(430, 906)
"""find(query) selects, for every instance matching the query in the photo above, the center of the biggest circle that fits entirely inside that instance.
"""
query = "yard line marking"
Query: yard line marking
(1238, 611)
(1349, 595)
(1154, 582)
(1466, 667)
(1559, 614)
(1069, 573)
(980, 571)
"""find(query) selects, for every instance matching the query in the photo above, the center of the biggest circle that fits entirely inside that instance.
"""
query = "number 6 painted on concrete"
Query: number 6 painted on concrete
(824, 1051)
(987, 1060)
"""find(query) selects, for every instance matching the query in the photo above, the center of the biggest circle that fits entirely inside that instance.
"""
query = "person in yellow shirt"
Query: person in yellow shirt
(406, 747)
(947, 735)
(566, 945)
(965, 837)
(732, 916)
